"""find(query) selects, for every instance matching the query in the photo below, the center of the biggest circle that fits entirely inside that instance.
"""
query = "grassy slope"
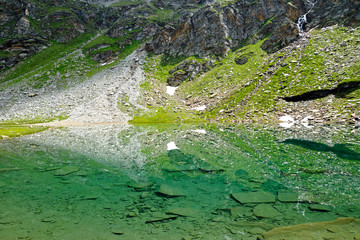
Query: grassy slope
(253, 91)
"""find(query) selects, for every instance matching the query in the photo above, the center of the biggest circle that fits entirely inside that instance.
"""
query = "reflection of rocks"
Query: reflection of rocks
(343, 228)
(118, 146)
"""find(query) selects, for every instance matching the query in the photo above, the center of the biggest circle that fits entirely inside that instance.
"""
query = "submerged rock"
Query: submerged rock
(342, 228)
(254, 197)
(320, 208)
(266, 211)
(184, 212)
(141, 186)
(169, 191)
(288, 197)
(160, 218)
(66, 170)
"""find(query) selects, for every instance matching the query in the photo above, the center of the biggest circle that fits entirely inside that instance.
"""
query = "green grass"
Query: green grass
(122, 3)
(44, 59)
(11, 131)
(122, 55)
(165, 115)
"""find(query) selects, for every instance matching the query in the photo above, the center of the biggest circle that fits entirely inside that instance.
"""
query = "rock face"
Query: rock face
(188, 70)
(214, 30)
(29, 27)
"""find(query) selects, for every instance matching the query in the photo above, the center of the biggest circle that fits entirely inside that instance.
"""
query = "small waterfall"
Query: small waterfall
(303, 19)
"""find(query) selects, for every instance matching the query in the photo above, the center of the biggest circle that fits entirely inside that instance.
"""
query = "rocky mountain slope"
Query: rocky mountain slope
(235, 61)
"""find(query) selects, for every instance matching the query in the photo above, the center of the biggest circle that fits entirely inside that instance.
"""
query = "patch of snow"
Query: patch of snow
(200, 108)
(201, 131)
(106, 63)
(171, 90)
(171, 146)
(287, 118)
(286, 124)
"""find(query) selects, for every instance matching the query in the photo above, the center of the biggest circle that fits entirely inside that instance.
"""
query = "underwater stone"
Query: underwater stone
(265, 211)
(254, 197)
(288, 197)
(184, 212)
(66, 170)
(320, 208)
(117, 231)
(349, 229)
(161, 217)
(169, 191)
(241, 173)
(141, 186)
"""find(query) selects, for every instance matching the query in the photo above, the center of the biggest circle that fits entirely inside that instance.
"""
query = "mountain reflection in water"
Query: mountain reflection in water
(340, 150)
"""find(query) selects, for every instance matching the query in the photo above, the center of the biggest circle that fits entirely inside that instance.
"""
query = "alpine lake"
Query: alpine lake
(181, 182)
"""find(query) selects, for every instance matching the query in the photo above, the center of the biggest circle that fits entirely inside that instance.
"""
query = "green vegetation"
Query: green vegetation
(165, 115)
(122, 3)
(8, 130)
(49, 56)
(128, 49)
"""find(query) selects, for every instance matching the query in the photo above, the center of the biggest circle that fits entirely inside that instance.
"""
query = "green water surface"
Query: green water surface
(122, 182)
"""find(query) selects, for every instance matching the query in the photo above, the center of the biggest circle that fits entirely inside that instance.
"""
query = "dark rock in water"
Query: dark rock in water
(160, 218)
(320, 208)
(272, 186)
(168, 191)
(89, 197)
(266, 211)
(184, 212)
(241, 173)
(254, 197)
(141, 186)
(117, 231)
(63, 171)
(285, 196)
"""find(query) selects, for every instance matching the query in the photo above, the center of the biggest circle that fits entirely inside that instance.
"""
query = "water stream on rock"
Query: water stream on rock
(175, 182)
(303, 19)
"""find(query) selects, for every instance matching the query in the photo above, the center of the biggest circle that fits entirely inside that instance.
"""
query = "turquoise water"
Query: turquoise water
(122, 182)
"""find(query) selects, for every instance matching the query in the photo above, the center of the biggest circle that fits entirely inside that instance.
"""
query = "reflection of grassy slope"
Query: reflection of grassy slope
(17, 131)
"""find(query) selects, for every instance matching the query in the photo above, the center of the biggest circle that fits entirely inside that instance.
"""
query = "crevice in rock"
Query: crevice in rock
(340, 91)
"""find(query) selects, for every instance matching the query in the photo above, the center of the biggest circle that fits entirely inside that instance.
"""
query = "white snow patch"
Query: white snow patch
(200, 108)
(171, 146)
(106, 63)
(287, 118)
(286, 124)
(171, 90)
(201, 131)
